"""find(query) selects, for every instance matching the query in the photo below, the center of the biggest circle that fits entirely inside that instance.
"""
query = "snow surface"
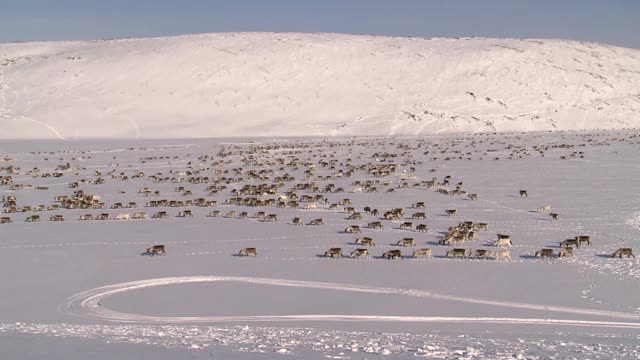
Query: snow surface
(88, 285)
(289, 84)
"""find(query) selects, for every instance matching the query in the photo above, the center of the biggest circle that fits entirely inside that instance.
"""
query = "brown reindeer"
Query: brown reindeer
(419, 215)
(406, 226)
(248, 251)
(353, 229)
(456, 252)
(406, 242)
(566, 252)
(156, 250)
(32, 218)
(479, 253)
(422, 252)
(359, 253)
(569, 242)
(333, 252)
(375, 225)
(584, 238)
(271, 218)
(365, 241)
(623, 251)
(544, 253)
(392, 254)
(482, 226)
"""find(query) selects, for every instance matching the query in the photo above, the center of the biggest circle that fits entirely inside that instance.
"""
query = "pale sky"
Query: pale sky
(615, 22)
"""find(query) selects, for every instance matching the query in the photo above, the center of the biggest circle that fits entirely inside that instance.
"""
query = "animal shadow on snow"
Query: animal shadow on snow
(379, 257)
(344, 257)
(448, 257)
(605, 256)
(528, 257)
(144, 253)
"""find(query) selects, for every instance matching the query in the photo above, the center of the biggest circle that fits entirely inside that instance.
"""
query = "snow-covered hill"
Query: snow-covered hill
(255, 84)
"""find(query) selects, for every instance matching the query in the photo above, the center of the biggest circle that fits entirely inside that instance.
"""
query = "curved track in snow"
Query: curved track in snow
(87, 304)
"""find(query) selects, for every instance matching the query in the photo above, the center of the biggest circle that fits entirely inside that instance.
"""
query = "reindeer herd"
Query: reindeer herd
(305, 177)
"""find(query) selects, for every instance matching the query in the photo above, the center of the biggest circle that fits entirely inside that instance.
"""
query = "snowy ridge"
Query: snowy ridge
(266, 84)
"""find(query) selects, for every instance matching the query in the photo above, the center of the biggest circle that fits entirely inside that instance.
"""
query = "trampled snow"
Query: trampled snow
(284, 84)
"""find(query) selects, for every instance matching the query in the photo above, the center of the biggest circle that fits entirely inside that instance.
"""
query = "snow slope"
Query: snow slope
(265, 84)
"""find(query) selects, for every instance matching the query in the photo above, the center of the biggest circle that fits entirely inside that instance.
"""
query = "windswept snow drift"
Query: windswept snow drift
(265, 84)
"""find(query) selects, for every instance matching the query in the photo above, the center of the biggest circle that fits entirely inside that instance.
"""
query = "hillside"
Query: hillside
(272, 84)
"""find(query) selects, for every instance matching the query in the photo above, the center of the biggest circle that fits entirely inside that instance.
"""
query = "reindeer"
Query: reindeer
(406, 226)
(359, 253)
(156, 250)
(5, 220)
(473, 196)
(375, 225)
(310, 206)
(499, 254)
(56, 218)
(271, 218)
(418, 216)
(569, 242)
(422, 228)
(248, 251)
(554, 216)
(406, 242)
(482, 226)
(419, 205)
(160, 215)
(479, 253)
(544, 209)
(140, 216)
(355, 216)
(297, 221)
(623, 251)
(86, 217)
(392, 254)
(503, 240)
(365, 241)
(422, 252)
(353, 229)
(456, 252)
(316, 222)
(523, 193)
(333, 252)
(32, 218)
(544, 252)
(584, 238)
(566, 252)
(451, 212)
(123, 217)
